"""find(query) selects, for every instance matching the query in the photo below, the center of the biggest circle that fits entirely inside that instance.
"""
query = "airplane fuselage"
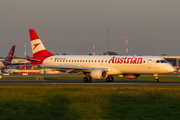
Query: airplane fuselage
(115, 65)
(2, 65)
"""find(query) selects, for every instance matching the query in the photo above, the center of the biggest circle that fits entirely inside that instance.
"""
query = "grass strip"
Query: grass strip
(89, 102)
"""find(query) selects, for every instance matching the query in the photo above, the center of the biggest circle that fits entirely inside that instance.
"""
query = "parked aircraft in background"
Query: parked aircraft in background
(8, 59)
(99, 67)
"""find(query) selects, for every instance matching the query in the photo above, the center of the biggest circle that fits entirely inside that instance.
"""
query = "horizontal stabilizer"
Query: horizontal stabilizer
(32, 62)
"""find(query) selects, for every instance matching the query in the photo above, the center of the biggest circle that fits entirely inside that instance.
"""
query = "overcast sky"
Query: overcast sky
(70, 26)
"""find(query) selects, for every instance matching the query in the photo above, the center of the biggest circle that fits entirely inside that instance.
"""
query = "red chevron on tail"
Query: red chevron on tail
(39, 51)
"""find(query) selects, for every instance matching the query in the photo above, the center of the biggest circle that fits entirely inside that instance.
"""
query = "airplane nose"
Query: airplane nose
(170, 69)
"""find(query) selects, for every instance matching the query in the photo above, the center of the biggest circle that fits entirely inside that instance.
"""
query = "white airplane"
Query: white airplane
(98, 67)
(8, 59)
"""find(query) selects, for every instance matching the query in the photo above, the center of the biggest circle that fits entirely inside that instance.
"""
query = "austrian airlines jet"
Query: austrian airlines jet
(99, 67)
(8, 59)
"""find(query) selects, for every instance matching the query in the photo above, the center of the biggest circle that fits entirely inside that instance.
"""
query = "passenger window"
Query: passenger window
(92, 60)
(80, 60)
(89, 61)
(77, 60)
(72, 60)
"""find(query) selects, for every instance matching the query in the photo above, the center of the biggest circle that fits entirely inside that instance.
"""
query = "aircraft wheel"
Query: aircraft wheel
(156, 80)
(111, 79)
(108, 79)
(85, 79)
(89, 79)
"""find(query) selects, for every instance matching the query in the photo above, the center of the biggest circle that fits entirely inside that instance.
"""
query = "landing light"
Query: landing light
(109, 69)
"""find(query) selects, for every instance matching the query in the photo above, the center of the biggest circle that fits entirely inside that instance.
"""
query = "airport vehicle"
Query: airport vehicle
(8, 59)
(98, 67)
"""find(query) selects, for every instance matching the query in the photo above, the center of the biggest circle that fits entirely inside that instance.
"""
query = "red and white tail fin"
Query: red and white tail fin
(38, 48)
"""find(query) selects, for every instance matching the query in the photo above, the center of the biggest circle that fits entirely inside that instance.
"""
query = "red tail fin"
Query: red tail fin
(38, 48)
(9, 57)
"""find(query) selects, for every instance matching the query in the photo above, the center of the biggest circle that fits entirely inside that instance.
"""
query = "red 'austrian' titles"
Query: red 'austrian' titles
(125, 60)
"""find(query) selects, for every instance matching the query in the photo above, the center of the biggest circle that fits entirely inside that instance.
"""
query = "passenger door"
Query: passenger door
(149, 63)
(51, 61)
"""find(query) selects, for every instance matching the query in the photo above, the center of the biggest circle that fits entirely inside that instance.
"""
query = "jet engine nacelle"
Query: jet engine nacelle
(99, 74)
(131, 76)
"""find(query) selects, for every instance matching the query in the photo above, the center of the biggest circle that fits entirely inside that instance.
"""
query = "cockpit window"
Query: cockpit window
(161, 61)
(158, 61)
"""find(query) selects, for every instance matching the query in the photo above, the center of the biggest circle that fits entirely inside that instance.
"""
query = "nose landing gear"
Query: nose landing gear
(156, 79)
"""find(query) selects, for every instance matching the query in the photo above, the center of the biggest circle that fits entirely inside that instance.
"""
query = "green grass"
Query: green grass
(68, 102)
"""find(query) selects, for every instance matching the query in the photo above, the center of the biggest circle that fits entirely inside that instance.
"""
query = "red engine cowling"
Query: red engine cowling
(99, 74)
(131, 76)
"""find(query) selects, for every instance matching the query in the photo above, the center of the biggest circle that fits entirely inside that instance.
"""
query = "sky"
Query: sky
(70, 26)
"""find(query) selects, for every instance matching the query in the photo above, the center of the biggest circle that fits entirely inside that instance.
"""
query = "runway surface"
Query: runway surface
(78, 82)
(82, 83)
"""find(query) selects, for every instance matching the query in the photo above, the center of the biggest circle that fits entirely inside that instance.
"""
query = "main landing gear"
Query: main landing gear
(109, 79)
(87, 79)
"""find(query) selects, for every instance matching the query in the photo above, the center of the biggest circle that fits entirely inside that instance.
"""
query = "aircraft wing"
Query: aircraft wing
(7, 62)
(67, 67)
(70, 68)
